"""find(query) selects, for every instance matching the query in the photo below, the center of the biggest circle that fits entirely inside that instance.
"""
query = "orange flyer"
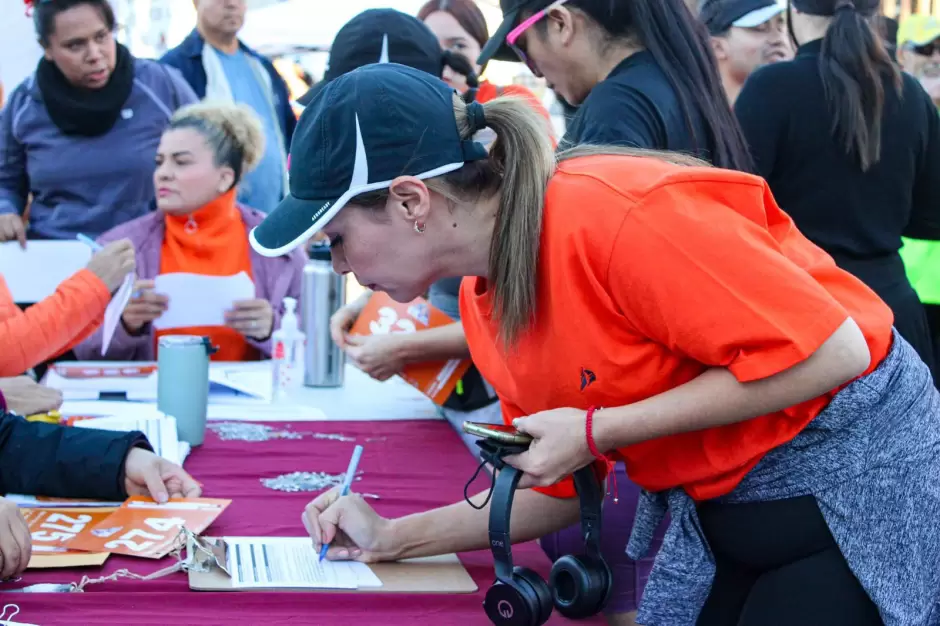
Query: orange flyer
(53, 530)
(143, 528)
(382, 315)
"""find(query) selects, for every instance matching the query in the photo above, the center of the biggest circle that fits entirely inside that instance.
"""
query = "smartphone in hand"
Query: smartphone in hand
(497, 432)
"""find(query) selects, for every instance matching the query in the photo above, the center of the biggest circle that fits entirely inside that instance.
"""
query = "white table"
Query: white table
(360, 398)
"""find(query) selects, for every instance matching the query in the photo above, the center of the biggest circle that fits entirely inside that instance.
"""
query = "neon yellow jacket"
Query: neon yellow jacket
(922, 265)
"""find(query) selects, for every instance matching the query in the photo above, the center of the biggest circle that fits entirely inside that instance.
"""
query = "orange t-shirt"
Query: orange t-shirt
(651, 273)
(212, 242)
(488, 91)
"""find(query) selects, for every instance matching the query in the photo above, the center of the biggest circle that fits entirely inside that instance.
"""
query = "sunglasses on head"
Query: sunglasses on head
(527, 23)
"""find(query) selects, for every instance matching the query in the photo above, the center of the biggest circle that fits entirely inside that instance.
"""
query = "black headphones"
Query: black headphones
(462, 65)
(578, 587)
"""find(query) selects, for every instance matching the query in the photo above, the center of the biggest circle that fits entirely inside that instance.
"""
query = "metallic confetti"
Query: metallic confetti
(305, 481)
(247, 431)
(309, 481)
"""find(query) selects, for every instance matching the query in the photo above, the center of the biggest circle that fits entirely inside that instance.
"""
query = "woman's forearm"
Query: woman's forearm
(716, 398)
(461, 528)
(434, 344)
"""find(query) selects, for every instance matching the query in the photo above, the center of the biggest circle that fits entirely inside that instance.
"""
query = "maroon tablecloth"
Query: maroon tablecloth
(419, 465)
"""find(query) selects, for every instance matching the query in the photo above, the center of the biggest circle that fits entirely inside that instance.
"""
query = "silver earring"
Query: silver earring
(420, 228)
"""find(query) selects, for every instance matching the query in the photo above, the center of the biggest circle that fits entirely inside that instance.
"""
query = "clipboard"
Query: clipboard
(443, 574)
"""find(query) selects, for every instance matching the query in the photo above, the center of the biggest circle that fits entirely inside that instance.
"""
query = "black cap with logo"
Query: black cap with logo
(380, 36)
(363, 130)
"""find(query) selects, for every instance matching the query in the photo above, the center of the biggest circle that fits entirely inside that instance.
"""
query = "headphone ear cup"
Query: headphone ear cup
(542, 593)
(580, 585)
(518, 603)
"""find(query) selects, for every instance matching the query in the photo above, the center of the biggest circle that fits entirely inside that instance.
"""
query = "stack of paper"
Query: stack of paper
(291, 563)
(160, 431)
(89, 381)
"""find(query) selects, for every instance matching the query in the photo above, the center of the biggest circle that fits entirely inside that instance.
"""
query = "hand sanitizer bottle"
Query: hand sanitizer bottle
(287, 352)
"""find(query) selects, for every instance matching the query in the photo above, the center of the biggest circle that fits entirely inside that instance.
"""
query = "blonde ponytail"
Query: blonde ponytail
(524, 160)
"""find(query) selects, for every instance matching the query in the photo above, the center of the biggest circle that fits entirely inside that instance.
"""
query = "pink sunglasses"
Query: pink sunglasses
(516, 32)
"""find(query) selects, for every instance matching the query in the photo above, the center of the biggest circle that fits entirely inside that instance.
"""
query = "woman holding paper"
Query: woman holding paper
(198, 242)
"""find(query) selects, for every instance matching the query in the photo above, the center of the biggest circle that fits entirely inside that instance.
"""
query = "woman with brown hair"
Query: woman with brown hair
(792, 435)
(461, 28)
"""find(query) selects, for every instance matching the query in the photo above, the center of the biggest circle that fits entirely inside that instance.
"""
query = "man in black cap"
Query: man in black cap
(745, 34)
(380, 36)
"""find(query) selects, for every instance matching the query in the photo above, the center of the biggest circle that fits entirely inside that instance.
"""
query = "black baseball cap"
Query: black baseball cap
(363, 130)
(720, 15)
(380, 36)
(496, 47)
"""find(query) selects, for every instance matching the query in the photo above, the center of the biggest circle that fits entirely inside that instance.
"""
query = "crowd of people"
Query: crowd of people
(720, 287)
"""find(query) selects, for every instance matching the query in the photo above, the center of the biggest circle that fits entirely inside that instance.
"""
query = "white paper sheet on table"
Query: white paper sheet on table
(112, 314)
(197, 300)
(109, 408)
(35, 273)
(35, 502)
(243, 378)
(160, 430)
(291, 563)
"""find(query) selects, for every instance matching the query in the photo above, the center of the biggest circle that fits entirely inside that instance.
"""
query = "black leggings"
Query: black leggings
(777, 563)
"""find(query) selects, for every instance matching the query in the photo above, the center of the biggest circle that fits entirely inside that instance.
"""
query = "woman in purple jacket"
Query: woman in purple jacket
(79, 135)
(200, 229)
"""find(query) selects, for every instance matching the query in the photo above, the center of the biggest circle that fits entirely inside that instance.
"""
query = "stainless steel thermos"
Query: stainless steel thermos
(323, 293)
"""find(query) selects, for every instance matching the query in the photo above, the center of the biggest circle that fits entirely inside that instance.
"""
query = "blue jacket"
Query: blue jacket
(85, 184)
(187, 58)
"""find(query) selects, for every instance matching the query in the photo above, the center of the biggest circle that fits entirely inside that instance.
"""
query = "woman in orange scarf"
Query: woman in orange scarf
(199, 229)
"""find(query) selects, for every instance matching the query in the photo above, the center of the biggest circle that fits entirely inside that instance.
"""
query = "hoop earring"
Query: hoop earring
(420, 228)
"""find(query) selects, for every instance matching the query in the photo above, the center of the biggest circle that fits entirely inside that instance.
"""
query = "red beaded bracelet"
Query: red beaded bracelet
(589, 435)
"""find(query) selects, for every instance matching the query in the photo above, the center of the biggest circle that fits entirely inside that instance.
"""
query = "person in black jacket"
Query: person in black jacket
(851, 149)
(58, 461)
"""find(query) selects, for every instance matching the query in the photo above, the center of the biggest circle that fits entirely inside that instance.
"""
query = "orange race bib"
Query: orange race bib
(52, 530)
(143, 528)
(382, 315)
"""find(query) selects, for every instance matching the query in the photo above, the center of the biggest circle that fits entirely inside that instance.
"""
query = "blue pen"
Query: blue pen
(88, 241)
(347, 483)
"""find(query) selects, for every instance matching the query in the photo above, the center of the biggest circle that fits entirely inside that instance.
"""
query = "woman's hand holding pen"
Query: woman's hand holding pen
(352, 528)
(113, 263)
(144, 307)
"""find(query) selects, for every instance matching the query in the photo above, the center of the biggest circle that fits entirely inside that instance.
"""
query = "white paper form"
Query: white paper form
(197, 300)
(34, 274)
(112, 314)
(291, 563)
(160, 431)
